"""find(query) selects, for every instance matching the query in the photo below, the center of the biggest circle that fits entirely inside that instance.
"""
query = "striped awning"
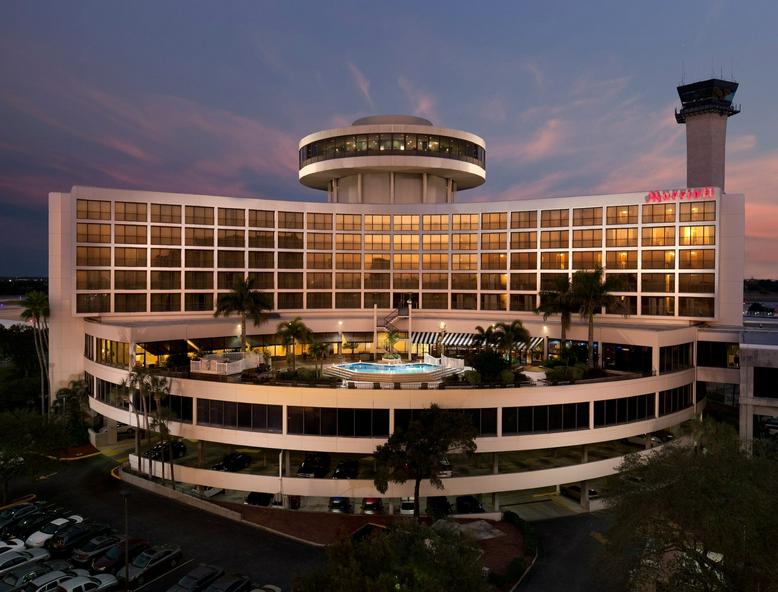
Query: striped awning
(534, 342)
(449, 339)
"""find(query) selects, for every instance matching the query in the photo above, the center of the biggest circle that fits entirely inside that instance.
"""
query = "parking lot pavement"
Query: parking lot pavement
(85, 486)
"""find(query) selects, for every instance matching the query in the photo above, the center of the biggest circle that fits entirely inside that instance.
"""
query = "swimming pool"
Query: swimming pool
(368, 368)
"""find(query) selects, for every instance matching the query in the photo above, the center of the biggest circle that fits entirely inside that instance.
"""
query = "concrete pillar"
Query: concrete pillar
(375, 331)
(495, 464)
(584, 454)
(410, 328)
(200, 454)
(287, 463)
(495, 502)
(585, 496)
(390, 508)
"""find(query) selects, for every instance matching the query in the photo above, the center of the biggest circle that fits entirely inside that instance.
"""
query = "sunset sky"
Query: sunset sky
(573, 98)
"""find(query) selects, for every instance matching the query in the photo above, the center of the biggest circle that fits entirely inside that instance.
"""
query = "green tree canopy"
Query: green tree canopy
(414, 453)
(292, 332)
(559, 300)
(701, 517)
(408, 557)
(510, 336)
(36, 312)
(247, 303)
(591, 293)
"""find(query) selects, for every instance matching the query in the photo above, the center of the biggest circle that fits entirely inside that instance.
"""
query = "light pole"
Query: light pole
(441, 337)
(410, 327)
(125, 494)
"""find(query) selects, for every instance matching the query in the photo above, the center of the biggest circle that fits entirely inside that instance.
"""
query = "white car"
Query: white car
(11, 545)
(12, 559)
(48, 582)
(96, 583)
(39, 537)
(406, 506)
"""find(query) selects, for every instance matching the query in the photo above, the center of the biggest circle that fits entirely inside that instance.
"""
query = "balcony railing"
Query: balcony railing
(225, 364)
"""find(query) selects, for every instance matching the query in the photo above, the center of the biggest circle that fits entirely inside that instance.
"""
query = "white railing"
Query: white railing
(444, 361)
(225, 364)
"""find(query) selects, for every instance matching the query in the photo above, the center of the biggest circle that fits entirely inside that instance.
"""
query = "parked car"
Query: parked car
(407, 506)
(235, 461)
(113, 559)
(97, 583)
(438, 505)
(574, 492)
(25, 525)
(19, 576)
(230, 583)
(315, 465)
(11, 545)
(468, 504)
(259, 498)
(197, 579)
(341, 505)
(151, 562)
(346, 469)
(164, 450)
(49, 581)
(372, 505)
(94, 548)
(39, 537)
(12, 559)
(16, 513)
(267, 588)
(73, 536)
(444, 469)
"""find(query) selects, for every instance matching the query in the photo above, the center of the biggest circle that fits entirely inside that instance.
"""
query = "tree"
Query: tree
(71, 403)
(702, 515)
(350, 346)
(415, 452)
(408, 556)
(509, 336)
(36, 311)
(246, 302)
(137, 382)
(158, 388)
(560, 300)
(292, 332)
(318, 351)
(591, 293)
(484, 338)
(392, 337)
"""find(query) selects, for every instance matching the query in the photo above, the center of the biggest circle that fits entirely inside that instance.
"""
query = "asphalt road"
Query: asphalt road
(86, 487)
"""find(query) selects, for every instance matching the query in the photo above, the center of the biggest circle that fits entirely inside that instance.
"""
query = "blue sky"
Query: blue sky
(211, 97)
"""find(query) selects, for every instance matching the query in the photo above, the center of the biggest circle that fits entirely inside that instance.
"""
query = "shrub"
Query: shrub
(488, 364)
(521, 378)
(507, 376)
(472, 377)
(391, 356)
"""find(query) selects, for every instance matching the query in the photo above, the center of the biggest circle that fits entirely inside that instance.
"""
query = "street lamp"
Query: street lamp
(126, 494)
(409, 302)
(441, 337)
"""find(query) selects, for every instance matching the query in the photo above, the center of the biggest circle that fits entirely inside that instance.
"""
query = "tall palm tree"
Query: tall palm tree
(36, 311)
(318, 351)
(292, 332)
(158, 388)
(246, 302)
(137, 380)
(484, 338)
(392, 337)
(125, 392)
(559, 300)
(591, 293)
(509, 336)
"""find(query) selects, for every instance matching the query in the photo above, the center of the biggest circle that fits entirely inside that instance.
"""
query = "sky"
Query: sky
(572, 98)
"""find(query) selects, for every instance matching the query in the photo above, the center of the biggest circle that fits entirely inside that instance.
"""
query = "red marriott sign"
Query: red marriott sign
(680, 194)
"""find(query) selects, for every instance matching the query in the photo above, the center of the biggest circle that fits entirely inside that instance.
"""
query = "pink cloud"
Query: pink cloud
(422, 102)
(363, 84)
(549, 140)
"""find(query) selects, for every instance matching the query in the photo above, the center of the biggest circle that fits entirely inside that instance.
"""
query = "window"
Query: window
(434, 300)
(524, 260)
(696, 307)
(262, 260)
(435, 222)
(328, 421)
(697, 235)
(676, 399)
(524, 240)
(625, 282)
(587, 238)
(348, 222)
(435, 242)
(198, 258)
(659, 236)
(464, 242)
(494, 301)
(287, 260)
(198, 302)
(165, 280)
(90, 209)
(290, 240)
(129, 257)
(263, 280)
(658, 259)
(464, 261)
(704, 211)
(378, 261)
(293, 220)
(373, 281)
(434, 281)
(551, 281)
(554, 239)
(715, 354)
(765, 381)
(464, 301)
(675, 357)
(129, 211)
(95, 233)
(199, 237)
(697, 283)
(166, 235)
(165, 214)
(406, 222)
(374, 222)
(232, 238)
(622, 305)
(232, 217)
(464, 222)
(96, 279)
(406, 281)
(658, 282)
(697, 259)
(624, 410)
(494, 240)
(318, 221)
(522, 302)
(490, 260)
(527, 219)
(524, 281)
(198, 280)
(290, 300)
(318, 281)
(405, 261)
(348, 261)
(494, 221)
(319, 300)
(165, 302)
(199, 215)
(92, 303)
(129, 303)
(166, 257)
(227, 279)
(264, 239)
(621, 215)
(126, 279)
(348, 300)
(262, 219)
(290, 281)
(93, 256)
(379, 299)
(621, 237)
(464, 281)
(587, 216)
(406, 242)
(587, 259)
(553, 260)
(494, 281)
(657, 306)
(350, 242)
(658, 213)
(545, 418)
(552, 218)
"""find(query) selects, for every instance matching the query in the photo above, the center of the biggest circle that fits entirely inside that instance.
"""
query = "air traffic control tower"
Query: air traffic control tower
(706, 105)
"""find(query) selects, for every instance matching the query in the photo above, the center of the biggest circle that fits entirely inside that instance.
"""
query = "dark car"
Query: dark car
(17, 578)
(63, 543)
(94, 548)
(164, 450)
(259, 498)
(315, 465)
(438, 506)
(16, 513)
(113, 559)
(372, 505)
(151, 563)
(29, 523)
(197, 579)
(229, 583)
(235, 461)
(346, 469)
(574, 492)
(468, 504)
(340, 505)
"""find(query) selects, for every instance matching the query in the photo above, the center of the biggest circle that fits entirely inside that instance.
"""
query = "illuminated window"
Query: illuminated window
(552, 218)
(97, 233)
(464, 242)
(494, 261)
(494, 240)
(697, 235)
(553, 260)
(587, 216)
(348, 261)
(319, 241)
(318, 221)
(166, 214)
(406, 222)
(435, 242)
(199, 215)
(93, 256)
(621, 260)
(434, 261)
(524, 240)
(587, 238)
(90, 209)
(621, 237)
(435, 222)
(658, 213)
(621, 215)
(465, 261)
(348, 221)
(697, 259)
(374, 222)
(702, 211)
(406, 242)
(659, 236)
(554, 239)
(524, 219)
(129, 211)
(494, 221)
(658, 259)
(587, 259)
(464, 222)
(262, 219)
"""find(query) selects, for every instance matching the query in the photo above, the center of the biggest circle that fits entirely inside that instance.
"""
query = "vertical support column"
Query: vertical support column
(391, 187)
(410, 328)
(655, 360)
(375, 331)
(545, 349)
(424, 184)
(495, 502)
(495, 464)
(360, 197)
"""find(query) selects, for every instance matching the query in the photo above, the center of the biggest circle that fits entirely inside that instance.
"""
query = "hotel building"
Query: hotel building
(135, 276)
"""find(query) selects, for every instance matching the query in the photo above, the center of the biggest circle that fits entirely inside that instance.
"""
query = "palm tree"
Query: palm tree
(36, 311)
(125, 391)
(318, 351)
(351, 346)
(591, 293)
(484, 338)
(292, 332)
(392, 337)
(559, 300)
(509, 336)
(246, 302)
(158, 388)
(138, 383)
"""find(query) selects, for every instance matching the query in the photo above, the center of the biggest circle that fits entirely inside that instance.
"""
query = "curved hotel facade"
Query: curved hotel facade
(135, 275)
